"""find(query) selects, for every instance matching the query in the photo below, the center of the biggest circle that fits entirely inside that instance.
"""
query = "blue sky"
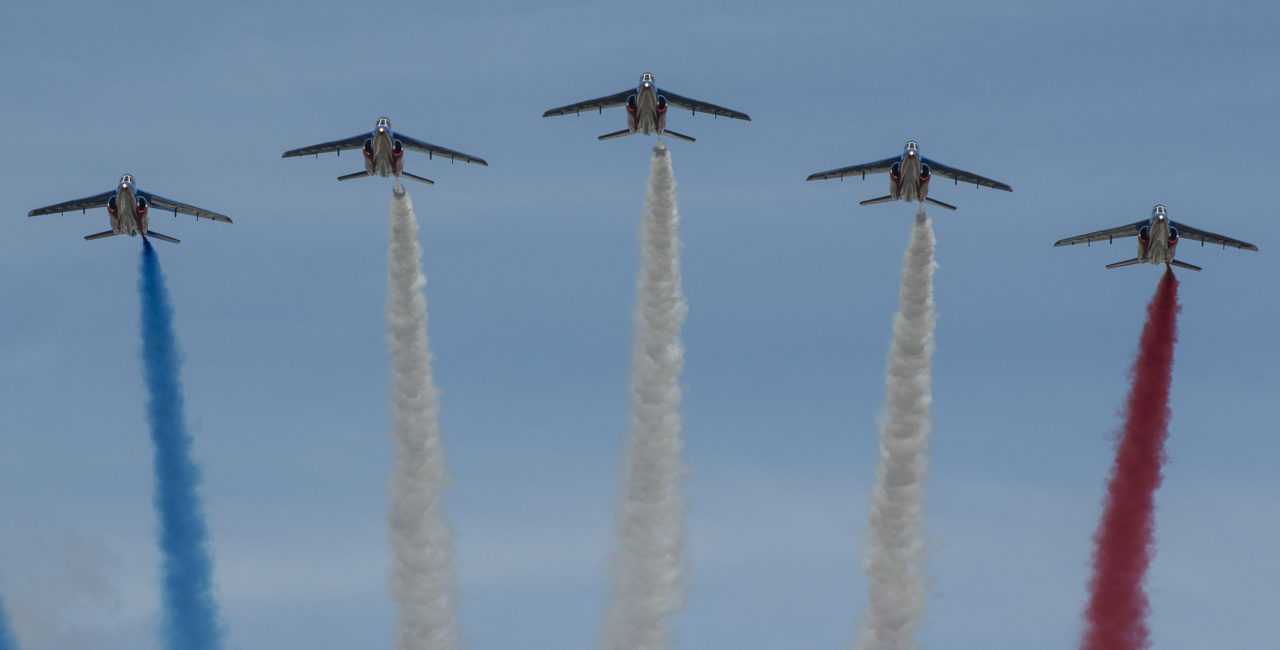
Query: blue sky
(1093, 111)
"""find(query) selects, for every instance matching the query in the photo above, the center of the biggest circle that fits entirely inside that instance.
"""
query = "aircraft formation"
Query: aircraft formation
(646, 106)
(646, 109)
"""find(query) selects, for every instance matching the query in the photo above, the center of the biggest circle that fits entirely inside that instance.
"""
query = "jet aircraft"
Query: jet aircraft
(647, 109)
(909, 176)
(1158, 239)
(129, 209)
(383, 151)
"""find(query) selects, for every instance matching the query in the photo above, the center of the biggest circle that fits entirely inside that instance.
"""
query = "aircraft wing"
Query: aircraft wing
(962, 175)
(428, 148)
(698, 106)
(877, 167)
(1107, 235)
(1194, 234)
(617, 99)
(173, 206)
(353, 142)
(95, 201)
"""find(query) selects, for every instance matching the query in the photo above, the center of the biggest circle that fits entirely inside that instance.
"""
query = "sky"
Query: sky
(1092, 111)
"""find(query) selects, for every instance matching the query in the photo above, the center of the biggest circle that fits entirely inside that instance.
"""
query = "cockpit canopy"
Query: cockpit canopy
(384, 122)
(127, 178)
(911, 145)
(1160, 209)
(646, 78)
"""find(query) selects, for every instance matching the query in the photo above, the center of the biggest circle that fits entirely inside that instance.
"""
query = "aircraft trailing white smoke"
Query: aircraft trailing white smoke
(649, 565)
(894, 556)
(421, 581)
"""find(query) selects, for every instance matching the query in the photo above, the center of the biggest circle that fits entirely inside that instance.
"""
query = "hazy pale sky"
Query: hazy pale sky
(1092, 111)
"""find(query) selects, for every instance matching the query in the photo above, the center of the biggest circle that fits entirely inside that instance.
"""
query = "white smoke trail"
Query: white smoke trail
(421, 580)
(649, 564)
(894, 557)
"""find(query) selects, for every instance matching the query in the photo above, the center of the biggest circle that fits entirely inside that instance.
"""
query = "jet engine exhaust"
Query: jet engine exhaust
(649, 565)
(7, 640)
(422, 579)
(190, 613)
(1116, 615)
(894, 553)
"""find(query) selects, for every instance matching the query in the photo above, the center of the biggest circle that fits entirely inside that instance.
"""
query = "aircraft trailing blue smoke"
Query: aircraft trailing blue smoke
(191, 620)
(7, 642)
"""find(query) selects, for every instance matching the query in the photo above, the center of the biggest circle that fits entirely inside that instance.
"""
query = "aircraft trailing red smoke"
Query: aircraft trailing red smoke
(1116, 616)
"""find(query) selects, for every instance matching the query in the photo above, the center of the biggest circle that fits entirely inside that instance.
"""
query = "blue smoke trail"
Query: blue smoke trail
(191, 620)
(7, 642)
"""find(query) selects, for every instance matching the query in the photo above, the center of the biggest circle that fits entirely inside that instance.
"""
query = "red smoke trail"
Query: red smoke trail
(1116, 616)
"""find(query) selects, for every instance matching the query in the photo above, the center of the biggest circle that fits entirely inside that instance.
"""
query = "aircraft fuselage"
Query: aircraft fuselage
(909, 179)
(383, 154)
(1158, 241)
(646, 110)
(127, 210)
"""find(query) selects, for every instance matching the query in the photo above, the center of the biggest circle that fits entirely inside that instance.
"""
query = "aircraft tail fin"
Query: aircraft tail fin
(678, 136)
(100, 235)
(420, 179)
(171, 240)
(1124, 263)
(882, 199)
(1184, 265)
(615, 134)
(351, 176)
(939, 203)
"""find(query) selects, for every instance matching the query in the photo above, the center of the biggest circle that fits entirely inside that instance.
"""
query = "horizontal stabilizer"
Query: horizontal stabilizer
(939, 203)
(420, 179)
(100, 235)
(615, 134)
(1184, 265)
(883, 199)
(1124, 263)
(678, 136)
(171, 240)
(351, 176)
